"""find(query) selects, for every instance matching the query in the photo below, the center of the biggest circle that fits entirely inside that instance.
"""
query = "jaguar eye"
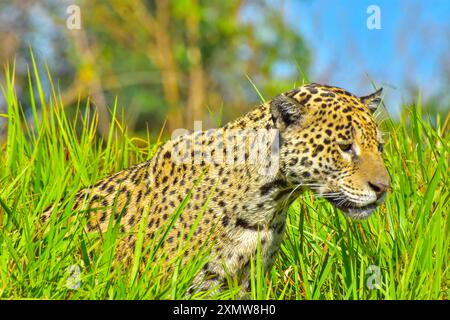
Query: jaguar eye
(381, 147)
(345, 147)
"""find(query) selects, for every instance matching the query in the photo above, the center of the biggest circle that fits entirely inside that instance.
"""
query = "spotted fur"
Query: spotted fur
(326, 140)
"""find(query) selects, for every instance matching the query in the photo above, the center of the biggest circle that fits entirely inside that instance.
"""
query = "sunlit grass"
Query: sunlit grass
(323, 256)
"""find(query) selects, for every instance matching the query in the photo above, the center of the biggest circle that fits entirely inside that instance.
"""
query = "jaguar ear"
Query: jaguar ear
(372, 101)
(286, 111)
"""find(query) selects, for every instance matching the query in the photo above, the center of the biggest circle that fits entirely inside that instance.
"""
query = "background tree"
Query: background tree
(165, 59)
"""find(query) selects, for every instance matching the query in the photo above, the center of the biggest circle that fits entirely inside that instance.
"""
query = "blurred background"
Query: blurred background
(185, 60)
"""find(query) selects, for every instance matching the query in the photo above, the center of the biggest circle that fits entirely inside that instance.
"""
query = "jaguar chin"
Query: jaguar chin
(355, 210)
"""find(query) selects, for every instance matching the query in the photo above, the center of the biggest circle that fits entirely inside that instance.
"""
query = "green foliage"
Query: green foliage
(171, 59)
(323, 256)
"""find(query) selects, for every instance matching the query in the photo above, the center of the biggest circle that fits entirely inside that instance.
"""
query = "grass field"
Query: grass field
(401, 252)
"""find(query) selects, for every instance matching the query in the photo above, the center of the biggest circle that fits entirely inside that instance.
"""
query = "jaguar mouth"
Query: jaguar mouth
(352, 209)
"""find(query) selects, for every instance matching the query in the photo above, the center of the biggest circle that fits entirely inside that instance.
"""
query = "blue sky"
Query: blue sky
(410, 50)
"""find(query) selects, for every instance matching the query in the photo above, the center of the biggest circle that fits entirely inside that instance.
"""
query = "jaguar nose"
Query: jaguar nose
(380, 188)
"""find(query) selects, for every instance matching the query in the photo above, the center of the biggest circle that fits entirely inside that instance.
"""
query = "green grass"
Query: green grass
(323, 256)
